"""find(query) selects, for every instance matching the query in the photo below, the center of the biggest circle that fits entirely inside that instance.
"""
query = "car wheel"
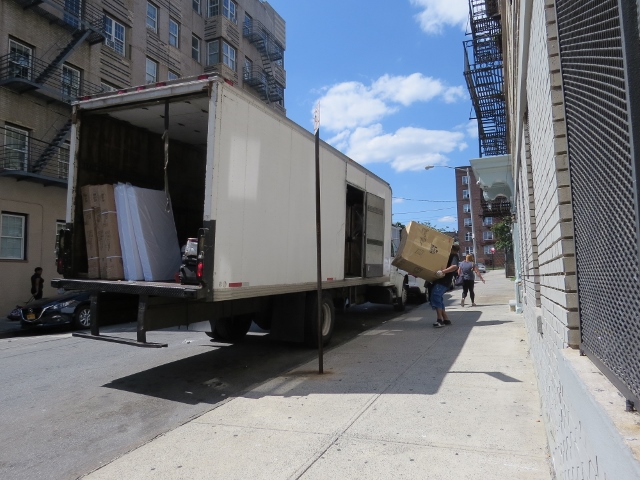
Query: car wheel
(423, 297)
(82, 317)
(401, 301)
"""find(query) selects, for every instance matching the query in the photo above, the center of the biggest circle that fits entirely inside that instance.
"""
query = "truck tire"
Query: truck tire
(311, 319)
(401, 300)
(232, 329)
(82, 317)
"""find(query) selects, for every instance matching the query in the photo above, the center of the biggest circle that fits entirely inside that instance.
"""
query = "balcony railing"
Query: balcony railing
(264, 40)
(20, 158)
(22, 73)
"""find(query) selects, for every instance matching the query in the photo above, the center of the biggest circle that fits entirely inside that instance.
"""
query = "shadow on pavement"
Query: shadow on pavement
(375, 358)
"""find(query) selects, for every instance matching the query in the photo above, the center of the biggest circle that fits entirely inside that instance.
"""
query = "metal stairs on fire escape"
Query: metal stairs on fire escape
(53, 147)
(264, 79)
(484, 77)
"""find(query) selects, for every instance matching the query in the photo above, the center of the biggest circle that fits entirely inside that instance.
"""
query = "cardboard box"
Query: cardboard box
(89, 214)
(101, 201)
(423, 251)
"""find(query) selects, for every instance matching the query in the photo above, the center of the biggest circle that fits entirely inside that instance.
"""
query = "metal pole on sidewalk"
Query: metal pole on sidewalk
(318, 241)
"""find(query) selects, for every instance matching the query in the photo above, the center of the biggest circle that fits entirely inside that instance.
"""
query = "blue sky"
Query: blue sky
(388, 76)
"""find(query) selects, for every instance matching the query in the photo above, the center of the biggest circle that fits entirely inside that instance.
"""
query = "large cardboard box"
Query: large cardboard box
(423, 251)
(108, 238)
(89, 214)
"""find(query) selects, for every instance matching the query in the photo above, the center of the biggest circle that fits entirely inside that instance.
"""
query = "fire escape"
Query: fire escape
(23, 72)
(269, 79)
(484, 77)
(483, 74)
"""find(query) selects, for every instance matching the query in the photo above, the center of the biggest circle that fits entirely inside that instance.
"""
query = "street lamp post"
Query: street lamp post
(473, 228)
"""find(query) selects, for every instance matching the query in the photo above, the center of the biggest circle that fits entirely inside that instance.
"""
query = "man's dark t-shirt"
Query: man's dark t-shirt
(37, 282)
(448, 277)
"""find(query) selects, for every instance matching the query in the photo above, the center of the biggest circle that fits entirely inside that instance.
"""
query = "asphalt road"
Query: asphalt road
(70, 405)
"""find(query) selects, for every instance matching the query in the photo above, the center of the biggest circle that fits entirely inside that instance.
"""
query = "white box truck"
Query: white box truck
(240, 178)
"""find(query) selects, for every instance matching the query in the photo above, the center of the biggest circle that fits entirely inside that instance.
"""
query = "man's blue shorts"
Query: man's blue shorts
(437, 296)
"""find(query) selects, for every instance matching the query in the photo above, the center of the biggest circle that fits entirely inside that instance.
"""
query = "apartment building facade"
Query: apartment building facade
(573, 111)
(476, 217)
(53, 52)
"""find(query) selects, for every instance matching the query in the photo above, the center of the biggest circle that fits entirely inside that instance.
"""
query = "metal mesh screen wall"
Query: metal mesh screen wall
(603, 181)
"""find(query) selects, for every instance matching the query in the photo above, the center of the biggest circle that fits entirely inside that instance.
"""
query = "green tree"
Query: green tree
(502, 232)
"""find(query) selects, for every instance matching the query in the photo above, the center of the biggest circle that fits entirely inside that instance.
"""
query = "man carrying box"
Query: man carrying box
(441, 285)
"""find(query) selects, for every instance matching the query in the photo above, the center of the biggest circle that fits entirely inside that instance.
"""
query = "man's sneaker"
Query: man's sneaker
(462, 302)
(438, 324)
(447, 322)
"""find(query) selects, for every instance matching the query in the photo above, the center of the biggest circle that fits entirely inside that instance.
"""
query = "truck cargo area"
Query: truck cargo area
(124, 144)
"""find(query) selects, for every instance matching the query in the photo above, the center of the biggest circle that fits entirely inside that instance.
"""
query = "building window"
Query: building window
(248, 24)
(72, 12)
(107, 88)
(468, 250)
(213, 52)
(465, 180)
(152, 17)
(465, 194)
(487, 249)
(488, 221)
(488, 235)
(467, 222)
(248, 68)
(60, 225)
(213, 8)
(16, 148)
(63, 160)
(70, 81)
(195, 48)
(12, 236)
(114, 35)
(229, 55)
(229, 9)
(468, 236)
(196, 6)
(174, 33)
(172, 75)
(152, 71)
(19, 60)
(466, 208)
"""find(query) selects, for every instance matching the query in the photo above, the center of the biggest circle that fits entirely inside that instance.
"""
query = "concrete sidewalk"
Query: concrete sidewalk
(403, 400)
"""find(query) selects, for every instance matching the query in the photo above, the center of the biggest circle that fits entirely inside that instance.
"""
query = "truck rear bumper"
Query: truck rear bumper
(152, 289)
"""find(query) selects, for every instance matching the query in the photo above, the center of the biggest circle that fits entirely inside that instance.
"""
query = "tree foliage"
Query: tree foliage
(502, 232)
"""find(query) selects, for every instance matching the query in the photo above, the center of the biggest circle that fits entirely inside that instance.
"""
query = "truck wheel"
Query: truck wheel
(401, 301)
(311, 319)
(82, 317)
(232, 329)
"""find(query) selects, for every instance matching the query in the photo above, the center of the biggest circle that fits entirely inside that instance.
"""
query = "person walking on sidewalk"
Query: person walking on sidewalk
(441, 285)
(466, 270)
(37, 282)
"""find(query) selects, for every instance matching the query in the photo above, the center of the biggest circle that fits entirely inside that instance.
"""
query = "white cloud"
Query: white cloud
(409, 148)
(472, 128)
(438, 14)
(398, 200)
(352, 104)
(447, 219)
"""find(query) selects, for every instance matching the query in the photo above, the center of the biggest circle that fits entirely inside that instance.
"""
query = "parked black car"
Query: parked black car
(71, 307)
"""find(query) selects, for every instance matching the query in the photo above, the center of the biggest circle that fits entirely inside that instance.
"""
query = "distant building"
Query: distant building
(469, 197)
(54, 52)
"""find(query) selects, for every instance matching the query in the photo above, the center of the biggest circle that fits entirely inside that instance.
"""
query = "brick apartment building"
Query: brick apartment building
(469, 198)
(55, 51)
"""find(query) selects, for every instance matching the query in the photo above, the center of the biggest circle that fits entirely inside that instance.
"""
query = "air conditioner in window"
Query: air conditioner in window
(110, 43)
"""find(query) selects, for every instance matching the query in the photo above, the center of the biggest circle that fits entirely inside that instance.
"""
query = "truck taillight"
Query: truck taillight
(200, 270)
(202, 233)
